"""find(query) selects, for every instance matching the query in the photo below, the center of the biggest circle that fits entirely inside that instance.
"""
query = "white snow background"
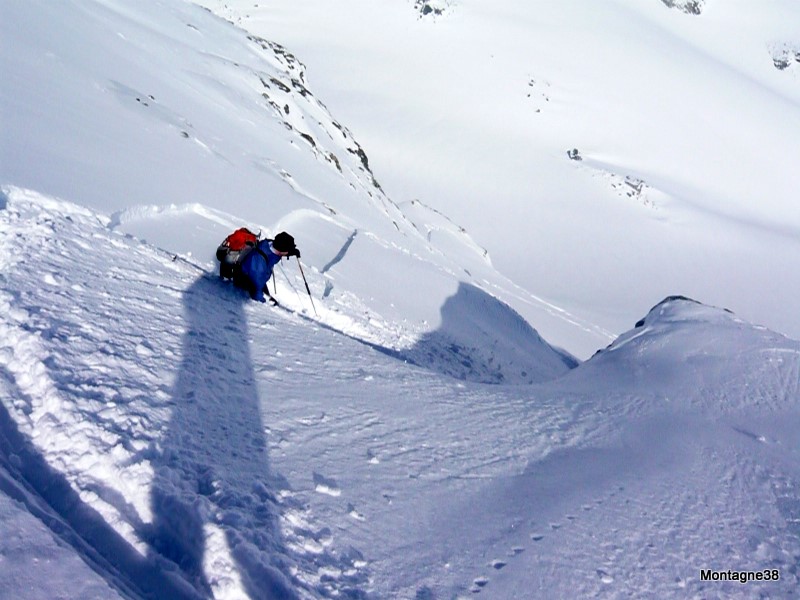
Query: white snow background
(410, 435)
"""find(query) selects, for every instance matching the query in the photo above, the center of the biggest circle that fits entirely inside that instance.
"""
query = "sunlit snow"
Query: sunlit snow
(552, 254)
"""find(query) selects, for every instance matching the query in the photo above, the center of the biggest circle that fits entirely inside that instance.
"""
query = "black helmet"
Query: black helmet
(283, 242)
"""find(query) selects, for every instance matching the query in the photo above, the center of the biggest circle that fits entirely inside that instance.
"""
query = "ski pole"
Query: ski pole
(299, 264)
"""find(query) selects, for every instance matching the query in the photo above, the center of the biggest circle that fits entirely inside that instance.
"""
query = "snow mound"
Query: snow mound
(482, 339)
(684, 345)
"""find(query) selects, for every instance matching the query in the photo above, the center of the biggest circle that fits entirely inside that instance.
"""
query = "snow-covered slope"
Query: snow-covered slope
(184, 127)
(163, 437)
(411, 435)
(687, 125)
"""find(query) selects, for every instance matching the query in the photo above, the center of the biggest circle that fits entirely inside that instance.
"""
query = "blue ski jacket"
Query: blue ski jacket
(256, 269)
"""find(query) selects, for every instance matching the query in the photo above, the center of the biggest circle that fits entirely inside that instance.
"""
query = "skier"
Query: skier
(255, 269)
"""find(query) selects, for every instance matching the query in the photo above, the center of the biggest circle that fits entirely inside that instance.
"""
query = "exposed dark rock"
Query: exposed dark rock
(286, 57)
(691, 7)
(300, 88)
(282, 86)
(781, 63)
(428, 8)
(636, 185)
(335, 160)
(309, 139)
(359, 151)
(786, 56)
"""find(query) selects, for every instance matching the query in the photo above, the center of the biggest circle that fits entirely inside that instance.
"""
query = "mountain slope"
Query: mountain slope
(187, 127)
(411, 435)
(686, 124)
(183, 441)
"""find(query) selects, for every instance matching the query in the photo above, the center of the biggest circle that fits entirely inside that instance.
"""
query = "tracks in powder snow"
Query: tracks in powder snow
(239, 450)
(134, 419)
(643, 517)
(624, 502)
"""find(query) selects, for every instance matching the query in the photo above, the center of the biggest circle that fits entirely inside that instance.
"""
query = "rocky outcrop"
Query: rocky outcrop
(691, 7)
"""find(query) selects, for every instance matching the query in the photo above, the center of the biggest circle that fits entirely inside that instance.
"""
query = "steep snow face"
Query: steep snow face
(171, 106)
(182, 127)
(686, 128)
(163, 437)
(131, 476)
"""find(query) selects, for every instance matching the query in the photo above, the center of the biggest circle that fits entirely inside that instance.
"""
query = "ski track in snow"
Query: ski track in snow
(225, 449)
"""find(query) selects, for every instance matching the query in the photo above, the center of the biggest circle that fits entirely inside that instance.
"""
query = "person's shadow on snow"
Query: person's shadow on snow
(213, 471)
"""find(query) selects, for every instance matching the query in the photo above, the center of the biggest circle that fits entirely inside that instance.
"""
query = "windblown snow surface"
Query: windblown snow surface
(409, 435)
(164, 437)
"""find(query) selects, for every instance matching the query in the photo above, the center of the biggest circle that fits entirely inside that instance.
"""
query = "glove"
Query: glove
(295, 252)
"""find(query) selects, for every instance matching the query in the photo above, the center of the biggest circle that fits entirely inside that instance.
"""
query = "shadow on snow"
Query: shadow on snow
(482, 339)
(214, 469)
(26, 477)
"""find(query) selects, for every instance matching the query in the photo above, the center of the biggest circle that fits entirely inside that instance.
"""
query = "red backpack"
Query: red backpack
(239, 239)
(233, 249)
